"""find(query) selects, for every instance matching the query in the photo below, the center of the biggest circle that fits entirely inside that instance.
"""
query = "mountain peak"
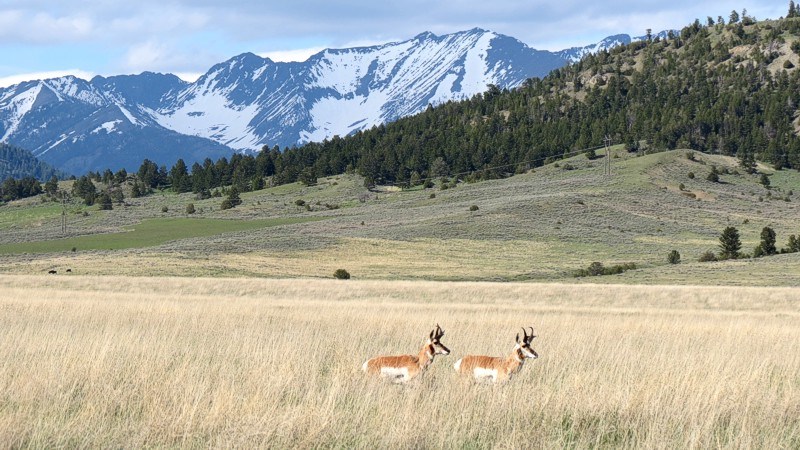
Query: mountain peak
(249, 101)
(425, 35)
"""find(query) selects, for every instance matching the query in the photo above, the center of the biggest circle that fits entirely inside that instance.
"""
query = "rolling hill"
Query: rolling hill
(541, 225)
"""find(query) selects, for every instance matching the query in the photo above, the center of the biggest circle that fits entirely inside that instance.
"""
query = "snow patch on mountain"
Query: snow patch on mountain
(107, 126)
(476, 72)
(212, 116)
(333, 116)
(18, 106)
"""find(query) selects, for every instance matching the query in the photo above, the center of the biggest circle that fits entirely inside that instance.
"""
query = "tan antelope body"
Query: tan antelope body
(497, 369)
(400, 369)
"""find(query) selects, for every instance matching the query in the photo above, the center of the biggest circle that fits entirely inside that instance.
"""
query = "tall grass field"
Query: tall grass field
(125, 362)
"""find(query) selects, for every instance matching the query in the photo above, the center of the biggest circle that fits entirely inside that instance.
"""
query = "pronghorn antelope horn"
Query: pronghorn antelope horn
(530, 338)
(439, 331)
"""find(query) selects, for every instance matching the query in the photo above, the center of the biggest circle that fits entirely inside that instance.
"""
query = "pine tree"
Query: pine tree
(747, 161)
(179, 177)
(233, 199)
(308, 176)
(794, 244)
(52, 185)
(729, 243)
(104, 200)
(768, 241)
(764, 180)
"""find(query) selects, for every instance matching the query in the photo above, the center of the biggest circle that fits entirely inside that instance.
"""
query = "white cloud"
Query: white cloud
(189, 36)
(191, 77)
(16, 79)
(299, 55)
(145, 56)
(41, 27)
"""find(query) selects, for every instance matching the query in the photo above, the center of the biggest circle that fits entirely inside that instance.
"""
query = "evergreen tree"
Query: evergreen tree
(734, 18)
(104, 200)
(179, 177)
(52, 185)
(118, 196)
(747, 161)
(121, 176)
(768, 241)
(85, 189)
(308, 176)
(794, 244)
(713, 176)
(148, 173)
(729, 243)
(233, 199)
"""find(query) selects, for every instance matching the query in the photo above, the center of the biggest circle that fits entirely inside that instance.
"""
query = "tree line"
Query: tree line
(695, 89)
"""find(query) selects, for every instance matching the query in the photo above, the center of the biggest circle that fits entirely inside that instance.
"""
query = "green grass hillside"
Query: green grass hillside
(541, 225)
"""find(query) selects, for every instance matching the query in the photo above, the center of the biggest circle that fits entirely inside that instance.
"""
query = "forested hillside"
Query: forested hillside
(730, 88)
(722, 86)
(19, 163)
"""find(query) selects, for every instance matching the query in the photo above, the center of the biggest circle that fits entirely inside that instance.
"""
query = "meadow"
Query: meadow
(130, 362)
(540, 226)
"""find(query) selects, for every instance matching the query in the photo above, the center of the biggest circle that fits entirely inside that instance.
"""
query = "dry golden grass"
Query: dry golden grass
(177, 362)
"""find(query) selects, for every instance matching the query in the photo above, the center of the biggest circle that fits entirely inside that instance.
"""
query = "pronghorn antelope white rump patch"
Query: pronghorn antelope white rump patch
(481, 373)
(395, 372)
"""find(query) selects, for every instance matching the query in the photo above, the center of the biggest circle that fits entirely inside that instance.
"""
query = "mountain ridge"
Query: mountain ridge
(249, 101)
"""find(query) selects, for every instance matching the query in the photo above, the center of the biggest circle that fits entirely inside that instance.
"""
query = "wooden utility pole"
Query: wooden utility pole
(63, 213)
(607, 166)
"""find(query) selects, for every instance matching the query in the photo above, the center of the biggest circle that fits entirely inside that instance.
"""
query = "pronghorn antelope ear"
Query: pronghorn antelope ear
(517, 338)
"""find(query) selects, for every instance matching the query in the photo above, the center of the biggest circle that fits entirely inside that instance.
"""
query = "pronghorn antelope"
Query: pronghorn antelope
(494, 369)
(400, 369)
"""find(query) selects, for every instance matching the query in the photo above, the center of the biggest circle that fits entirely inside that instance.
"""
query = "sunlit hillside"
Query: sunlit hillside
(542, 225)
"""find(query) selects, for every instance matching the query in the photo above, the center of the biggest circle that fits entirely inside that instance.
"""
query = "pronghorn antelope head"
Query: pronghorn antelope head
(403, 368)
(524, 348)
(494, 369)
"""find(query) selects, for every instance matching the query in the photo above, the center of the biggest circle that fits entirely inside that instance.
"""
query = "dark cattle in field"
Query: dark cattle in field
(51, 271)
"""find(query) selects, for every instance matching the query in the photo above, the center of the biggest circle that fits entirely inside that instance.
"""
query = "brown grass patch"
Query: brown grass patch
(172, 362)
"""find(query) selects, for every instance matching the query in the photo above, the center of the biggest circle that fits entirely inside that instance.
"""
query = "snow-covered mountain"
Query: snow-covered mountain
(575, 54)
(247, 102)
(79, 126)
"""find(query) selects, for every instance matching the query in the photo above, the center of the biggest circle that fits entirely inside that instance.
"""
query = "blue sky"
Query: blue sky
(48, 38)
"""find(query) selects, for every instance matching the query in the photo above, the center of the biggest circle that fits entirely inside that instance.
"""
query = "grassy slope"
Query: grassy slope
(537, 226)
(149, 233)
